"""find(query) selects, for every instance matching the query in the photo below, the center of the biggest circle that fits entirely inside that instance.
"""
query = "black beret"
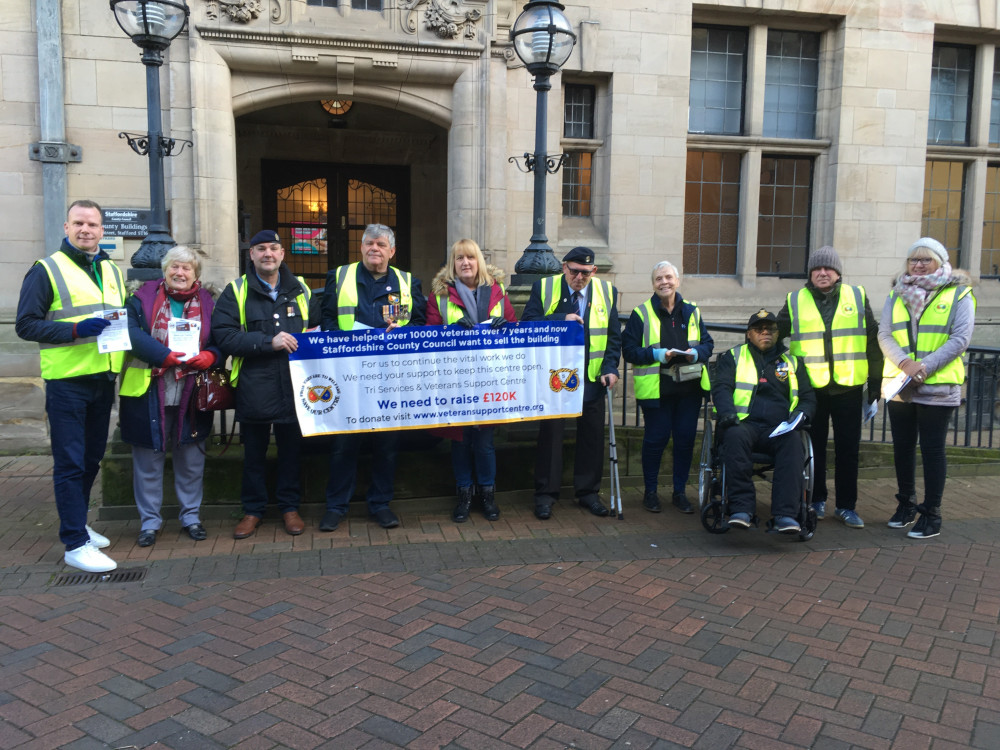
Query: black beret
(265, 235)
(580, 255)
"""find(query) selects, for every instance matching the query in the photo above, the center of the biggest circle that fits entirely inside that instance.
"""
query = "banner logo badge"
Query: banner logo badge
(563, 379)
(319, 394)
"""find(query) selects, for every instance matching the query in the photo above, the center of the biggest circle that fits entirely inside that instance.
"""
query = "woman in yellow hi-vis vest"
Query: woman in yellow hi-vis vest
(926, 326)
(467, 292)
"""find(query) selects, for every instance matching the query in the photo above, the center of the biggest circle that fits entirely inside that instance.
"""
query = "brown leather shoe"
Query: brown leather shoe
(294, 524)
(246, 527)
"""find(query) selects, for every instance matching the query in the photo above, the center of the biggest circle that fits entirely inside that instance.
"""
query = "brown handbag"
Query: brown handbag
(213, 391)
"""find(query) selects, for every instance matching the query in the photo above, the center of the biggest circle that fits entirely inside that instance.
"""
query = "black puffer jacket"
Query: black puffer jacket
(264, 389)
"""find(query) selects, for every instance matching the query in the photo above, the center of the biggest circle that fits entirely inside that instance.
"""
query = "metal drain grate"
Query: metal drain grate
(129, 575)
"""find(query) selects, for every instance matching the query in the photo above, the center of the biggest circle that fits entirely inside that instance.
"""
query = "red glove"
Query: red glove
(201, 361)
(172, 360)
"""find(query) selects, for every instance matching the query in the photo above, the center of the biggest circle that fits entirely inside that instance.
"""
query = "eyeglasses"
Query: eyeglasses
(579, 272)
(765, 329)
(919, 261)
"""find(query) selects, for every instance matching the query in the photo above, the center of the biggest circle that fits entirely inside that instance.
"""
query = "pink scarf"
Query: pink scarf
(917, 290)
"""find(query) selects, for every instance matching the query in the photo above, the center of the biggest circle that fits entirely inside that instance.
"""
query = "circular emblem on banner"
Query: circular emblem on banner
(563, 379)
(319, 394)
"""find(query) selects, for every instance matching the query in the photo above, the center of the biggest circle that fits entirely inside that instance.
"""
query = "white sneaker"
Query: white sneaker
(89, 558)
(98, 540)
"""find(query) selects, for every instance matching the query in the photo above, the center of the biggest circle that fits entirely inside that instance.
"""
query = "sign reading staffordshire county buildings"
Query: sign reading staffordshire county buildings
(434, 376)
(126, 222)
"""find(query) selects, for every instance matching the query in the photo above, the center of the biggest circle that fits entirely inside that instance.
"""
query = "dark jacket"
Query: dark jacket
(533, 310)
(372, 295)
(36, 299)
(142, 417)
(673, 335)
(435, 317)
(827, 306)
(264, 388)
(770, 399)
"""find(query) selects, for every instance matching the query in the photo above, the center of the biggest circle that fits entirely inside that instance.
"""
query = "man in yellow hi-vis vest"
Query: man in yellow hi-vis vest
(835, 334)
(755, 387)
(253, 321)
(593, 303)
(369, 294)
(59, 298)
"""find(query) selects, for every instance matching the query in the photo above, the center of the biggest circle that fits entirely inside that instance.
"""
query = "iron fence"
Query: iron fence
(973, 423)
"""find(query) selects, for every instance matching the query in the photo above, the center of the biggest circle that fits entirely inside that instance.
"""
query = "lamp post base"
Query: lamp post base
(147, 259)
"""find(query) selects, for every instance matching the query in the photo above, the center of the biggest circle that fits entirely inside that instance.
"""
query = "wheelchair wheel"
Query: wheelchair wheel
(705, 468)
(713, 518)
(809, 519)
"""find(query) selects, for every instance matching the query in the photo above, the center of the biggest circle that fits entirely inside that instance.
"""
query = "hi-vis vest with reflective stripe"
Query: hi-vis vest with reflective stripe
(347, 294)
(239, 287)
(452, 313)
(933, 330)
(747, 379)
(601, 294)
(849, 337)
(647, 377)
(75, 296)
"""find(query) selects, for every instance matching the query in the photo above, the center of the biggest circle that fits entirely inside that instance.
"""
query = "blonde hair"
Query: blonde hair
(467, 247)
(182, 254)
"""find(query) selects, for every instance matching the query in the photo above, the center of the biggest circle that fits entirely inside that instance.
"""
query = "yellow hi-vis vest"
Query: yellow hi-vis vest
(647, 377)
(933, 329)
(849, 337)
(452, 313)
(747, 378)
(347, 294)
(75, 297)
(239, 287)
(601, 299)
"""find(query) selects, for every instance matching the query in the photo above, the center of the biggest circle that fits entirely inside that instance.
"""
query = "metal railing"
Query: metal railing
(974, 423)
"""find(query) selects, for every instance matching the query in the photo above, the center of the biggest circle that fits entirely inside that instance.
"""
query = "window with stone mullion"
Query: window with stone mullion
(952, 69)
(790, 84)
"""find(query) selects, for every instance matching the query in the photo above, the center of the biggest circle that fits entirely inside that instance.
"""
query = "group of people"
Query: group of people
(836, 350)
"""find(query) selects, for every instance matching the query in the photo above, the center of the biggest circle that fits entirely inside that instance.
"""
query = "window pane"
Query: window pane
(577, 178)
(578, 117)
(951, 83)
(990, 265)
(718, 70)
(790, 84)
(302, 225)
(995, 104)
(944, 193)
(367, 4)
(783, 220)
(323, 3)
(711, 212)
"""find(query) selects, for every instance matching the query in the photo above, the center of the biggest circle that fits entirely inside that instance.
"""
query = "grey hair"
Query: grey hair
(665, 264)
(374, 231)
(182, 254)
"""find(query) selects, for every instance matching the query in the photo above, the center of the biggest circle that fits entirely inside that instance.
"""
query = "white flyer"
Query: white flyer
(115, 337)
(787, 426)
(184, 337)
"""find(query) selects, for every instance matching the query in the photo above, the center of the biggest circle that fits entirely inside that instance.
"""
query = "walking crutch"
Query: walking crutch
(616, 485)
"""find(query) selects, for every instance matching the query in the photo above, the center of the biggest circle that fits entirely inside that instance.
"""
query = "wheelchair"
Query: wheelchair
(713, 503)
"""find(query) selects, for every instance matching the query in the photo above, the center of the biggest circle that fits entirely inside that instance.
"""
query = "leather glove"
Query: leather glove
(498, 322)
(727, 421)
(201, 361)
(466, 323)
(89, 327)
(874, 391)
(172, 360)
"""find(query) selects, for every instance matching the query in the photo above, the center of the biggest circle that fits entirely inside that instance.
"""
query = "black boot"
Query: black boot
(906, 511)
(461, 512)
(490, 509)
(929, 523)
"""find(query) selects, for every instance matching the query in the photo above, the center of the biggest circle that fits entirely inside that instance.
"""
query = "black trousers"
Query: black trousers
(739, 442)
(588, 467)
(929, 424)
(844, 409)
(288, 492)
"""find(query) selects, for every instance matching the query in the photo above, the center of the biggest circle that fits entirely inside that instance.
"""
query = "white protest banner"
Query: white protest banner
(434, 376)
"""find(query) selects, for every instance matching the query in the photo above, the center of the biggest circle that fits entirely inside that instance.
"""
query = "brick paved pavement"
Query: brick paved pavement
(583, 633)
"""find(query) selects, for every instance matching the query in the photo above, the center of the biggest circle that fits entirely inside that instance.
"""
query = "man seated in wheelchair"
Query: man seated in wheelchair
(757, 386)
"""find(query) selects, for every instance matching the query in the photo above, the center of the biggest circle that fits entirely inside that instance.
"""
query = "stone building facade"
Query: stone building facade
(728, 137)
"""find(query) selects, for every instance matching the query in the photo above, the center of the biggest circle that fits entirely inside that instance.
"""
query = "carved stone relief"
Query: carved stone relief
(241, 11)
(446, 18)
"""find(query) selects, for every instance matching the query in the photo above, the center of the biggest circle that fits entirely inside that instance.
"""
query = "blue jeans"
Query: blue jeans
(79, 411)
(677, 416)
(473, 459)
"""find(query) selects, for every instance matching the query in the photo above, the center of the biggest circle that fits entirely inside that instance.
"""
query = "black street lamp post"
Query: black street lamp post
(543, 40)
(152, 25)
